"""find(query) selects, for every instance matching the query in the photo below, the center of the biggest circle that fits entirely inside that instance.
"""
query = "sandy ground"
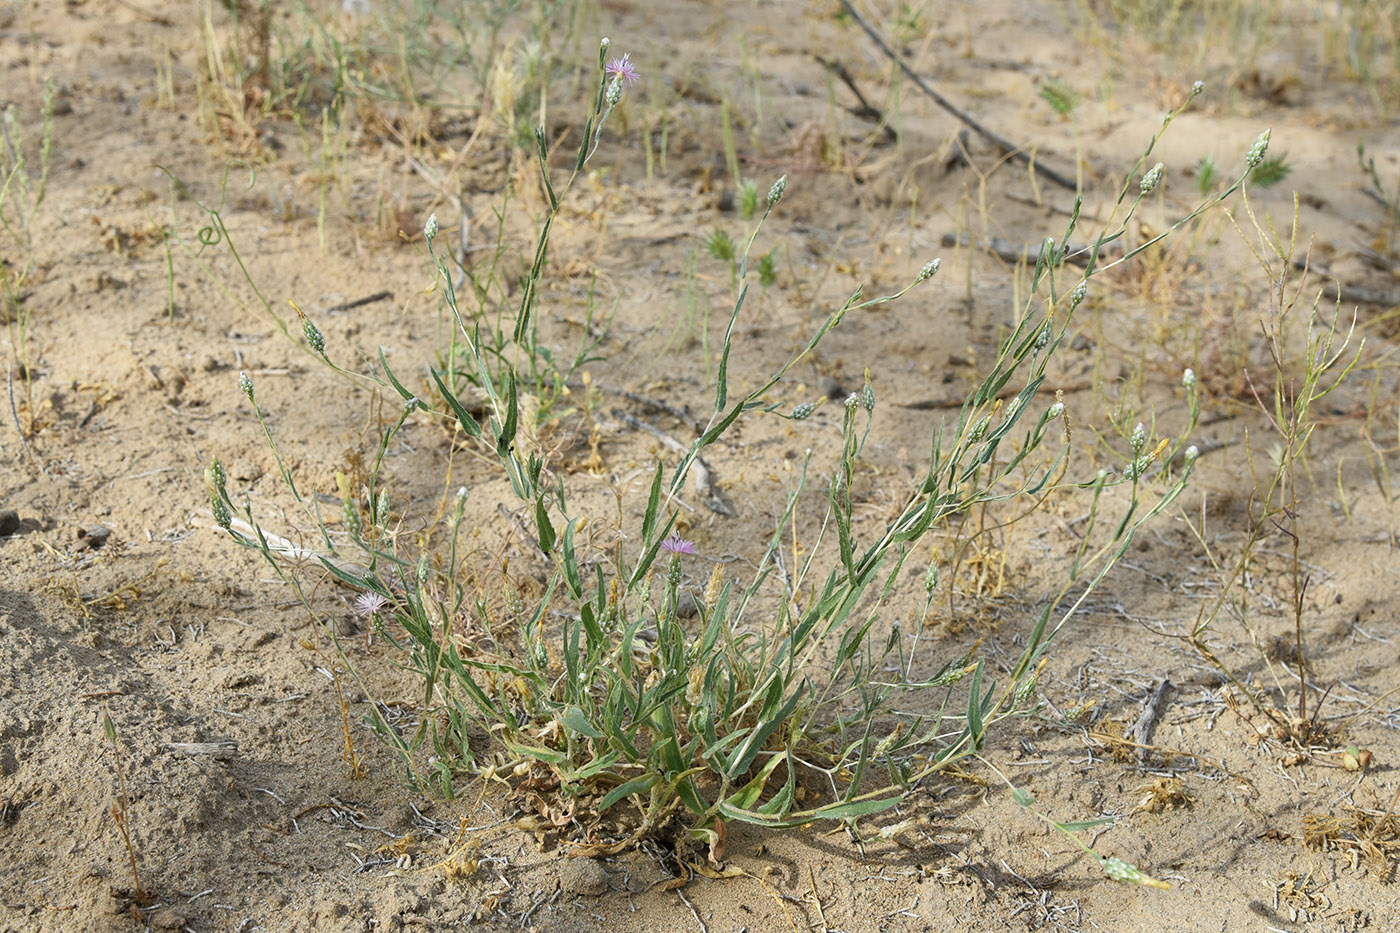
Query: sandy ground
(119, 597)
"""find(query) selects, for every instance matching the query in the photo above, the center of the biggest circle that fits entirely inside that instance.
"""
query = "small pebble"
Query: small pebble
(583, 876)
(9, 522)
(93, 536)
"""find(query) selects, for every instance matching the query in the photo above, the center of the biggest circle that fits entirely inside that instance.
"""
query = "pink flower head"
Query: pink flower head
(677, 545)
(624, 69)
(369, 602)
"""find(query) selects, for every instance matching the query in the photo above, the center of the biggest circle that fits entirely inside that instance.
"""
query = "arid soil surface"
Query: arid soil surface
(120, 598)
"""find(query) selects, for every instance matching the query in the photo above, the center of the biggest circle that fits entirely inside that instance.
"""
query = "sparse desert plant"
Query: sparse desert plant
(597, 696)
(23, 181)
(1309, 356)
(120, 811)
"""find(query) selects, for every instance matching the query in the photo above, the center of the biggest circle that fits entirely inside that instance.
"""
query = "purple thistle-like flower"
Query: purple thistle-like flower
(624, 69)
(368, 603)
(677, 545)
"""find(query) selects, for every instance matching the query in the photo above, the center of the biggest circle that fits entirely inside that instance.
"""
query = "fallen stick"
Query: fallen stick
(704, 482)
(1007, 251)
(225, 748)
(1001, 142)
(866, 109)
(1141, 733)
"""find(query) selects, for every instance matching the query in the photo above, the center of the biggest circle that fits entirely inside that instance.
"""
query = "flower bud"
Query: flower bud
(314, 338)
(1055, 411)
(867, 397)
(775, 193)
(1150, 180)
(430, 229)
(930, 269)
(1139, 438)
(245, 385)
(1257, 151)
(614, 94)
(803, 411)
(221, 515)
(1188, 379)
(1077, 296)
(215, 477)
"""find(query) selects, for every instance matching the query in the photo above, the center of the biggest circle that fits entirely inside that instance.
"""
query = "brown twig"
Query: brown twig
(359, 302)
(866, 109)
(957, 401)
(1335, 291)
(1141, 733)
(1001, 142)
(1007, 251)
(704, 481)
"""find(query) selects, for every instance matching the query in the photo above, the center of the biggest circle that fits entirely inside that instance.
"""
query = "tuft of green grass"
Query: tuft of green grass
(1271, 171)
(1207, 175)
(748, 199)
(1062, 98)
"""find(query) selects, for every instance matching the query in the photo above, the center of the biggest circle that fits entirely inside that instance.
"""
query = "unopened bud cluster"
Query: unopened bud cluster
(931, 578)
(1119, 870)
(1077, 296)
(803, 412)
(775, 193)
(216, 479)
(430, 229)
(1138, 467)
(351, 514)
(930, 269)
(1152, 178)
(245, 385)
(1257, 151)
(314, 338)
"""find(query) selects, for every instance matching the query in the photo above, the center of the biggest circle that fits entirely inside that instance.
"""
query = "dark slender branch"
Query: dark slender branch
(1001, 142)
(866, 109)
